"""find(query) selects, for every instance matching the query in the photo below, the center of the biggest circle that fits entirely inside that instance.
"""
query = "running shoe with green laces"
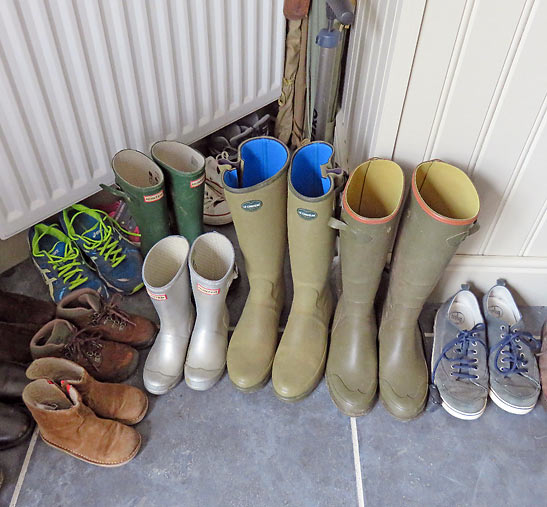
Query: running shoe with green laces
(100, 238)
(60, 262)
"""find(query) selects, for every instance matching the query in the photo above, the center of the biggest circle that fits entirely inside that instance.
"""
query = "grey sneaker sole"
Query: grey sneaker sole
(512, 409)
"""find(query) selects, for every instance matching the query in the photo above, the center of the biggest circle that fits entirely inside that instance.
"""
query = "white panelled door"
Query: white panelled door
(474, 94)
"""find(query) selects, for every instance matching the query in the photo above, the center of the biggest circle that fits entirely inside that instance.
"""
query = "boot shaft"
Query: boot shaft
(440, 213)
(310, 206)
(371, 203)
(184, 170)
(165, 275)
(256, 193)
(143, 188)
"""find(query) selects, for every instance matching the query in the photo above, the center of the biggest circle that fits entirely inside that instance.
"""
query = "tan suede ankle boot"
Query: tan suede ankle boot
(67, 424)
(124, 403)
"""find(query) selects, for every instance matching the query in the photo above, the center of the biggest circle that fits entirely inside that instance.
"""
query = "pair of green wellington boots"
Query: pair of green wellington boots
(142, 183)
(276, 201)
(440, 213)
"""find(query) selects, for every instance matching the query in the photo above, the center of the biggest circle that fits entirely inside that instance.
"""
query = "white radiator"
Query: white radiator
(82, 79)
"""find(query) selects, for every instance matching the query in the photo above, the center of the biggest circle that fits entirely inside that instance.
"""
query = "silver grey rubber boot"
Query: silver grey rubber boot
(212, 270)
(165, 275)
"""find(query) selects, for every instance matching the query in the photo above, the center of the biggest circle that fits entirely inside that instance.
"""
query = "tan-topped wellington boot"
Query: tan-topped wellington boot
(121, 402)
(440, 213)
(257, 196)
(370, 210)
(86, 308)
(68, 425)
(300, 359)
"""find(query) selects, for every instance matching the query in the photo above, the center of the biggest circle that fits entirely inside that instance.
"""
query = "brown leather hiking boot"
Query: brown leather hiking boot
(108, 361)
(121, 402)
(86, 308)
(67, 424)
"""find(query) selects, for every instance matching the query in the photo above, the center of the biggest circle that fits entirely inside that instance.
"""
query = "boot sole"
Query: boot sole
(512, 409)
(463, 415)
(97, 463)
(357, 413)
(256, 387)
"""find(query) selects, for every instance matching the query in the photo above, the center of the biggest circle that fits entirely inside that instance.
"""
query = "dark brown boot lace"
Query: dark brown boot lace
(110, 312)
(85, 345)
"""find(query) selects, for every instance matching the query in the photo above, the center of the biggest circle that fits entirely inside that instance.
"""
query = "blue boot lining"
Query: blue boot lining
(262, 158)
(306, 170)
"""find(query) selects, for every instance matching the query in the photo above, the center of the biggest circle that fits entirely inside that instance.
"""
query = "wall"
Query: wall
(464, 81)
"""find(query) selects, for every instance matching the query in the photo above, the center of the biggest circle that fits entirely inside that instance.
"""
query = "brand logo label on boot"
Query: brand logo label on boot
(205, 290)
(252, 205)
(157, 297)
(153, 197)
(306, 214)
(198, 181)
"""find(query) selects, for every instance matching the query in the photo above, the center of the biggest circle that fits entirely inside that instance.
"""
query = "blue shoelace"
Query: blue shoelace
(513, 356)
(462, 363)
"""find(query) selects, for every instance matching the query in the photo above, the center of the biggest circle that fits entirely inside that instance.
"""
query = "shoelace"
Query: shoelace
(509, 347)
(111, 311)
(107, 245)
(85, 344)
(462, 363)
(68, 266)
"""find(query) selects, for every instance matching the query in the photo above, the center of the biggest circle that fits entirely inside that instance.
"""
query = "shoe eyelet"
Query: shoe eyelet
(476, 377)
(474, 343)
(517, 340)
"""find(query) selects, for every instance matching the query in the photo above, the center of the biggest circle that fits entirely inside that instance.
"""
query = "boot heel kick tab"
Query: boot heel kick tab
(115, 190)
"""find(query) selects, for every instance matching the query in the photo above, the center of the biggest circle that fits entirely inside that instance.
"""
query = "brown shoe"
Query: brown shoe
(22, 309)
(67, 424)
(86, 308)
(124, 403)
(15, 341)
(108, 361)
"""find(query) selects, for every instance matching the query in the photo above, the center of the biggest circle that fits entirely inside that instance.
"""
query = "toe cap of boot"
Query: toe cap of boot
(403, 405)
(201, 379)
(351, 401)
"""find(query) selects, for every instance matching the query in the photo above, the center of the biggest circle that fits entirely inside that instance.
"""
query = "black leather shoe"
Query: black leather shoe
(12, 381)
(15, 425)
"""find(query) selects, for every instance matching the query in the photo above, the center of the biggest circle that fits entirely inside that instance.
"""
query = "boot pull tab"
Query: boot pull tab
(458, 238)
(115, 190)
(334, 223)
(338, 174)
(501, 281)
(465, 286)
(227, 165)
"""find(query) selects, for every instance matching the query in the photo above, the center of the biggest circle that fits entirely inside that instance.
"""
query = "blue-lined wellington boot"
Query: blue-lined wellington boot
(117, 260)
(300, 359)
(256, 193)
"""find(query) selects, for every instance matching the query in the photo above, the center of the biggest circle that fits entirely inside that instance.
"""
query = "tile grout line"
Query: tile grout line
(357, 463)
(24, 468)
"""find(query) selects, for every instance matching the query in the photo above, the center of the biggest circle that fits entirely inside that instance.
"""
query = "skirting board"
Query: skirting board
(526, 277)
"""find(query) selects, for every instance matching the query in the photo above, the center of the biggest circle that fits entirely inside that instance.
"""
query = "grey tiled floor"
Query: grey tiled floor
(225, 448)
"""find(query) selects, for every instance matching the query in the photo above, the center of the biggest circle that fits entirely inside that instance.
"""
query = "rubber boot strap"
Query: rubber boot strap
(458, 238)
(115, 191)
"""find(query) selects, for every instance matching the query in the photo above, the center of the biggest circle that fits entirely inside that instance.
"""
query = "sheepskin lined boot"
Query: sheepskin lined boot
(122, 402)
(256, 193)
(440, 213)
(68, 425)
(370, 210)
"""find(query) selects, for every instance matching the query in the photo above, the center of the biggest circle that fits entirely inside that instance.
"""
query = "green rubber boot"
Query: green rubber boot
(258, 204)
(142, 187)
(300, 359)
(370, 209)
(440, 213)
(184, 170)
